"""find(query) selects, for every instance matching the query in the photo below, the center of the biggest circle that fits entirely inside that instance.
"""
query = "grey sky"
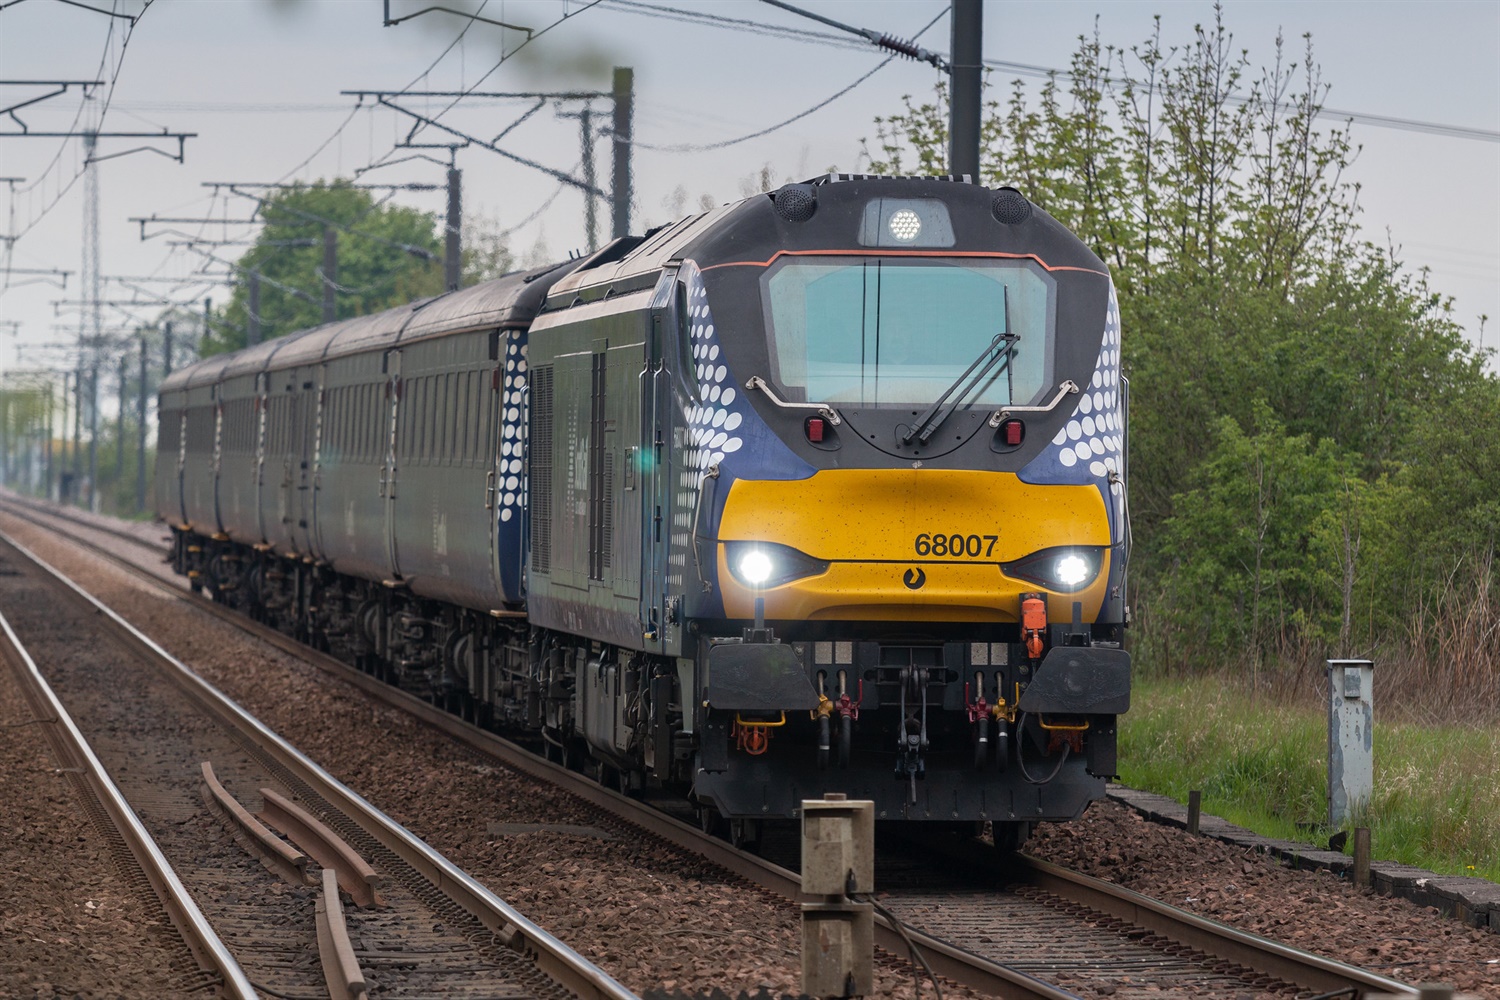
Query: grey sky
(259, 82)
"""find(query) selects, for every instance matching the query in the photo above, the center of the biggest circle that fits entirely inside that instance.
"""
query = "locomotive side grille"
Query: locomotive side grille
(541, 468)
(597, 491)
(607, 531)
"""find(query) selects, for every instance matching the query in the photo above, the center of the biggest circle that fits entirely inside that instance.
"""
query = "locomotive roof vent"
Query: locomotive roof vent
(795, 202)
(840, 178)
(1010, 206)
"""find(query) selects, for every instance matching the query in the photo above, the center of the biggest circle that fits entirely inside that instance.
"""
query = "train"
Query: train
(824, 490)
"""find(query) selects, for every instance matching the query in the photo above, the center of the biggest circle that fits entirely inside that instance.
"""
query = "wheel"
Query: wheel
(744, 834)
(1010, 836)
(709, 820)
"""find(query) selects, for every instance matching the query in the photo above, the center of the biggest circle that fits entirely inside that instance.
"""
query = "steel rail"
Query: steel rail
(74, 517)
(1218, 940)
(560, 962)
(73, 751)
(955, 963)
(1211, 938)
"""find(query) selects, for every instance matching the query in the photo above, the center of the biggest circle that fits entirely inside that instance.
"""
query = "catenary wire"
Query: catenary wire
(1020, 68)
(698, 148)
(13, 238)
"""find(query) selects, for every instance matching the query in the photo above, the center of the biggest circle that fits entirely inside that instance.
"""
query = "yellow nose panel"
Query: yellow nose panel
(910, 544)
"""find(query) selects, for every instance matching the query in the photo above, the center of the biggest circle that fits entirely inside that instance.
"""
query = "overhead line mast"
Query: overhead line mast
(621, 94)
(965, 74)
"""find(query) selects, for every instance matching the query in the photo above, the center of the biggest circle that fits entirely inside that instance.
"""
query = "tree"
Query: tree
(1313, 442)
(387, 256)
(1243, 533)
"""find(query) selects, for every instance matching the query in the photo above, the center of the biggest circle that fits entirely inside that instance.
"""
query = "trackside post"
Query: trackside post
(1351, 718)
(838, 861)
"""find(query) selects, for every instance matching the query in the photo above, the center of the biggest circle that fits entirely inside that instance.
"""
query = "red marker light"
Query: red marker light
(815, 429)
(1013, 431)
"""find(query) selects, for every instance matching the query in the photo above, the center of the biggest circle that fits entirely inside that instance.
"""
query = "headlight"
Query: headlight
(755, 566)
(905, 225)
(1063, 569)
(1071, 570)
(765, 564)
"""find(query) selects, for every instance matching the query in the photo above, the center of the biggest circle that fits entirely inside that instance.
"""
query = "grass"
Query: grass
(1263, 765)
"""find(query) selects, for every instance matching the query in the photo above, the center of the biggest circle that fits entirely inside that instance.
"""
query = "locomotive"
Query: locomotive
(822, 490)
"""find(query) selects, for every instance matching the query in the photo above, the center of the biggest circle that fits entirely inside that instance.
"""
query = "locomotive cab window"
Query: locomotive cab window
(890, 332)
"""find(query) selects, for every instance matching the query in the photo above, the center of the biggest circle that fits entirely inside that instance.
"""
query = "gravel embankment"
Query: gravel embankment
(652, 916)
(70, 925)
(1315, 911)
(661, 921)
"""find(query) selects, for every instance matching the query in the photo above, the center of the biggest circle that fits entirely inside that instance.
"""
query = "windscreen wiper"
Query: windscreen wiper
(995, 352)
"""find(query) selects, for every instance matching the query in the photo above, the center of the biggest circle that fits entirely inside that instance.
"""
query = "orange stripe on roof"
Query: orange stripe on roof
(904, 253)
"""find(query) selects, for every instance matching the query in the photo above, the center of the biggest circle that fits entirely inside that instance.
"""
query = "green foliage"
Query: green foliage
(1315, 449)
(485, 254)
(1263, 765)
(387, 255)
(1242, 578)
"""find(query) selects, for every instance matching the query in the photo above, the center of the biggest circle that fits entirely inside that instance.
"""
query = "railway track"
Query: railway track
(420, 927)
(1010, 927)
(134, 850)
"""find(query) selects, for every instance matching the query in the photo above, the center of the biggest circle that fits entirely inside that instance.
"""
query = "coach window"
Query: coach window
(407, 421)
(448, 407)
(376, 422)
(434, 418)
(430, 425)
(359, 423)
(428, 416)
(419, 418)
(418, 401)
(424, 420)
(462, 429)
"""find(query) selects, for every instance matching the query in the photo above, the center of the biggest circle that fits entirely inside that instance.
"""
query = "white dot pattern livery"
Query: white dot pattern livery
(509, 484)
(716, 418)
(1090, 448)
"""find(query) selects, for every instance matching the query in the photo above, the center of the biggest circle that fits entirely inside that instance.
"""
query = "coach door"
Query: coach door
(180, 493)
(312, 441)
(320, 445)
(261, 382)
(218, 454)
(390, 472)
(299, 459)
